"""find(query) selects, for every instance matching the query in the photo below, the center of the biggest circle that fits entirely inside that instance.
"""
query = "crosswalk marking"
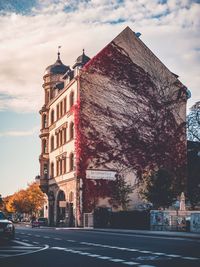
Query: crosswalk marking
(22, 243)
(24, 249)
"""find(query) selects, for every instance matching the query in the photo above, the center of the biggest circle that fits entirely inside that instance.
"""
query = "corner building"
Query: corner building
(121, 112)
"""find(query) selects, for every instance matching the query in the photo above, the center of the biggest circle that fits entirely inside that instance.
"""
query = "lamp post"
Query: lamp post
(177, 207)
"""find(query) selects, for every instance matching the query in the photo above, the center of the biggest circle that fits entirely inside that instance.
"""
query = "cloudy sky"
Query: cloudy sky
(31, 31)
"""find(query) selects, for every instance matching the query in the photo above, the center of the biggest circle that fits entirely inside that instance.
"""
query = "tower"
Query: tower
(52, 84)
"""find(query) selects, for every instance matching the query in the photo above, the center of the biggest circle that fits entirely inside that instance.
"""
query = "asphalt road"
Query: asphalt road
(79, 247)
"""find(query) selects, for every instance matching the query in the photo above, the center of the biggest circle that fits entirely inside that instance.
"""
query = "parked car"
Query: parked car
(42, 221)
(35, 224)
(7, 228)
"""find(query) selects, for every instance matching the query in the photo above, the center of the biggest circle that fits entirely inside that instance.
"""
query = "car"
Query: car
(7, 228)
(35, 224)
(42, 221)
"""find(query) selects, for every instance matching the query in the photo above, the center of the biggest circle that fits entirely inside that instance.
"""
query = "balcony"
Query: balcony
(44, 132)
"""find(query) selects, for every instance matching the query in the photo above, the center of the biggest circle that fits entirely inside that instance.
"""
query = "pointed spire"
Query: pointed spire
(83, 51)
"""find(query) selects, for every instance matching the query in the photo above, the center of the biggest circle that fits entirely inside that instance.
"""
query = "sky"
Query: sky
(31, 31)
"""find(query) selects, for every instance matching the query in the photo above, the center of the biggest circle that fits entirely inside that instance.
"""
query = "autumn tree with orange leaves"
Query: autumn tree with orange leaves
(29, 200)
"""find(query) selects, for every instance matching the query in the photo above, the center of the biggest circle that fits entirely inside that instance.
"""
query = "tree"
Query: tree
(193, 191)
(121, 192)
(193, 123)
(28, 201)
(159, 188)
(36, 198)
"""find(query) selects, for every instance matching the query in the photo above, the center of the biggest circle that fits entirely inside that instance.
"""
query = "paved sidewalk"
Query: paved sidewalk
(148, 232)
(125, 231)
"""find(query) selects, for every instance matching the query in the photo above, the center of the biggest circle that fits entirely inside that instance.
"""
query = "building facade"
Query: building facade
(120, 113)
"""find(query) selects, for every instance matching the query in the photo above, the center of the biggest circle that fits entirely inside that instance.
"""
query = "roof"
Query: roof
(131, 46)
(81, 60)
(57, 68)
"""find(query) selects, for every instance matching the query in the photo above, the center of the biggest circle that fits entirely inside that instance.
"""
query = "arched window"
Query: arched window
(71, 131)
(52, 143)
(71, 99)
(44, 121)
(71, 162)
(44, 148)
(52, 116)
(52, 169)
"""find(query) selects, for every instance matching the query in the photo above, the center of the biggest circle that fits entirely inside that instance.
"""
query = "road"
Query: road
(78, 247)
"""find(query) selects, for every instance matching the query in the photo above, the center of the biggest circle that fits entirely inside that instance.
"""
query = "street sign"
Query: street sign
(62, 204)
(101, 174)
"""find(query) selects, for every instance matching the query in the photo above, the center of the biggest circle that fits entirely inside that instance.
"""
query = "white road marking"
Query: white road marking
(56, 238)
(104, 257)
(92, 255)
(190, 258)
(130, 263)
(173, 256)
(137, 250)
(116, 260)
(35, 242)
(22, 243)
(23, 251)
(95, 256)
(69, 240)
(46, 236)
(37, 235)
(84, 253)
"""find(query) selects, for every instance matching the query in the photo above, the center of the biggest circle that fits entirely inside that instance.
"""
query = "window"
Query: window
(57, 167)
(52, 169)
(60, 134)
(52, 143)
(57, 139)
(71, 131)
(65, 135)
(71, 99)
(71, 162)
(60, 161)
(64, 167)
(57, 110)
(44, 144)
(45, 171)
(61, 108)
(65, 105)
(44, 121)
(52, 116)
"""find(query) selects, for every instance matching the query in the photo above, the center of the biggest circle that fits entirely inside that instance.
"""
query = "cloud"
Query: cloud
(16, 133)
(30, 37)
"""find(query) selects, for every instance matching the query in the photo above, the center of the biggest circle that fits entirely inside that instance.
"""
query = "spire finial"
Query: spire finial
(83, 51)
(59, 51)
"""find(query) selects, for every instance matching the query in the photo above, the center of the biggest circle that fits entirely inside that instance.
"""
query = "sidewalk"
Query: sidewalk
(148, 232)
(126, 231)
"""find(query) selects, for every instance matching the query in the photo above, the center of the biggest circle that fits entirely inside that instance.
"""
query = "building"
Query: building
(121, 112)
